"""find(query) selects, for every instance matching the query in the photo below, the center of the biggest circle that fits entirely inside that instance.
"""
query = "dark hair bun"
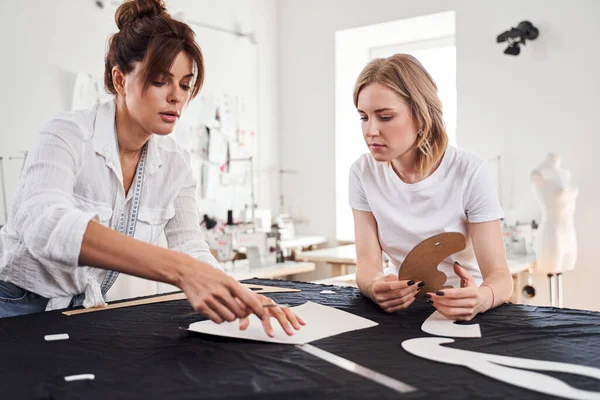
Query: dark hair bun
(149, 36)
(131, 10)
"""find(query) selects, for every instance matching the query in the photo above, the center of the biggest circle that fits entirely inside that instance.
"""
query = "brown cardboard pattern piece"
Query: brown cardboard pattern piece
(421, 264)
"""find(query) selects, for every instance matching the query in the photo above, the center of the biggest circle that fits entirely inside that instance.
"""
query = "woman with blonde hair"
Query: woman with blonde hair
(413, 185)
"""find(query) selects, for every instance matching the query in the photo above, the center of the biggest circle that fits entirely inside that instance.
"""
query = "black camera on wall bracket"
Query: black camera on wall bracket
(517, 36)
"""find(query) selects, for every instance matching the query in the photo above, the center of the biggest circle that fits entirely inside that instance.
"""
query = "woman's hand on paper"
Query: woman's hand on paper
(392, 294)
(217, 295)
(285, 316)
(220, 298)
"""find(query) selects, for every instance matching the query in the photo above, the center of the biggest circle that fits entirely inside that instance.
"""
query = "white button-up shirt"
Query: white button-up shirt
(72, 175)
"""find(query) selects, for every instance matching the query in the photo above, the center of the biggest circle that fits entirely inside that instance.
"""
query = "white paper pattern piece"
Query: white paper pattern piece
(499, 367)
(321, 322)
(60, 336)
(80, 377)
(439, 325)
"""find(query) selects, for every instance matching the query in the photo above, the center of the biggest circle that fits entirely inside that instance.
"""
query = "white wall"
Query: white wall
(41, 39)
(37, 39)
(258, 17)
(520, 107)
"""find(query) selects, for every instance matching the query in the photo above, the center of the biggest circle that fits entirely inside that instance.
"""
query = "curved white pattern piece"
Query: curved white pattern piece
(439, 325)
(500, 367)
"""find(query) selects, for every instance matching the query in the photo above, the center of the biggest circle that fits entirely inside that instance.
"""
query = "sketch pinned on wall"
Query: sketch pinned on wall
(225, 166)
(227, 108)
(197, 141)
(207, 177)
(217, 148)
(205, 110)
(202, 190)
(247, 142)
(87, 92)
(246, 137)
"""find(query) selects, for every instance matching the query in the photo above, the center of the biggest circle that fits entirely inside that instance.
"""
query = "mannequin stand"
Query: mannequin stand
(556, 291)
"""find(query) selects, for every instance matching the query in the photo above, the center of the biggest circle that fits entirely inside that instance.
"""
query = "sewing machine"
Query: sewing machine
(258, 247)
(519, 237)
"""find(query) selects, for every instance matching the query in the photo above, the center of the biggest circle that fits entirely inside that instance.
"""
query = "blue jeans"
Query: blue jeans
(17, 301)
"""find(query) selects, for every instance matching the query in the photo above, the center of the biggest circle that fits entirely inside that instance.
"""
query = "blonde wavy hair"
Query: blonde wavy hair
(405, 76)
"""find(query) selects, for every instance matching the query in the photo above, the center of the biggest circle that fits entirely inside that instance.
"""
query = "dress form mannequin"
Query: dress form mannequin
(556, 242)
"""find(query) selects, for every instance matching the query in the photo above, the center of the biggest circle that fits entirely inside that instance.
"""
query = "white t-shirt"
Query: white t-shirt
(458, 192)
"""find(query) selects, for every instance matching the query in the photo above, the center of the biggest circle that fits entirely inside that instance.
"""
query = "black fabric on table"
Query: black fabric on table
(140, 353)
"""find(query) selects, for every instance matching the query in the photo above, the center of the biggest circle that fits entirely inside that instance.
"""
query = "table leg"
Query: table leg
(552, 290)
(338, 269)
(560, 290)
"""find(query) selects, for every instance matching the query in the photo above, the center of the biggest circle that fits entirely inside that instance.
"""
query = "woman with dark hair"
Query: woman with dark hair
(100, 186)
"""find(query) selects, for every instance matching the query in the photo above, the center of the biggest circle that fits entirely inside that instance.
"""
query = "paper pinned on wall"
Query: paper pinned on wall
(318, 320)
(217, 148)
(204, 110)
(203, 186)
(88, 91)
(197, 140)
(228, 115)
(209, 181)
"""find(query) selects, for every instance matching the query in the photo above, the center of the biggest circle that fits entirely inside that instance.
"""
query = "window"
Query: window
(438, 56)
